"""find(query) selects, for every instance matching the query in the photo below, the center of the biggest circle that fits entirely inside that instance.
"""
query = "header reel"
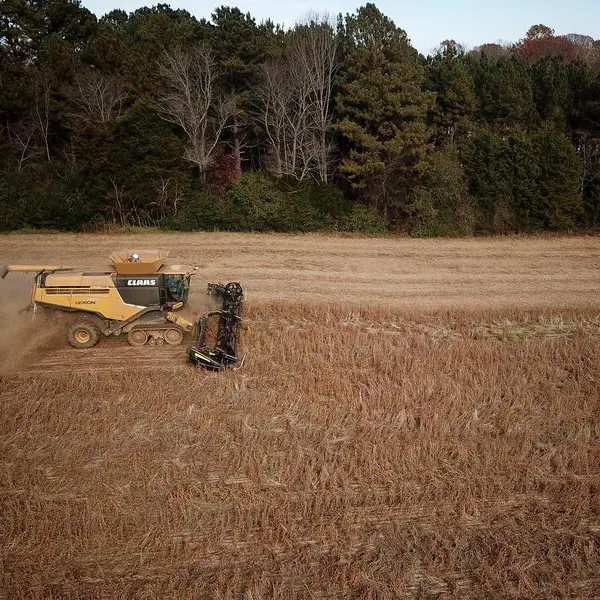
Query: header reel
(222, 326)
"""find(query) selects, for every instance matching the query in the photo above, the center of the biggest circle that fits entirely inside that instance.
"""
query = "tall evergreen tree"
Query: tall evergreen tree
(560, 179)
(488, 173)
(504, 90)
(147, 34)
(455, 102)
(39, 51)
(381, 108)
(523, 181)
(550, 87)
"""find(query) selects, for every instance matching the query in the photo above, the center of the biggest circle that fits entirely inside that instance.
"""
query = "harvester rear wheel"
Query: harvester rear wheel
(83, 334)
(173, 336)
(137, 337)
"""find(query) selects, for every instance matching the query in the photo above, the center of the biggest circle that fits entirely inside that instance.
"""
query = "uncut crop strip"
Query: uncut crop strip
(114, 354)
(335, 462)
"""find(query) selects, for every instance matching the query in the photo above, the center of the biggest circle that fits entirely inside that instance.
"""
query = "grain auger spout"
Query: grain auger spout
(222, 326)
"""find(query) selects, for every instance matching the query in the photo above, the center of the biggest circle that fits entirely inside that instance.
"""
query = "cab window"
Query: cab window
(177, 287)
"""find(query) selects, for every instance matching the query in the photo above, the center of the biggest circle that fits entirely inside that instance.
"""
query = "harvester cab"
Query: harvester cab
(140, 294)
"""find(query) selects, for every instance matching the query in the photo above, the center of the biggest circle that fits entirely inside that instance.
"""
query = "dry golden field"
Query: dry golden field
(412, 419)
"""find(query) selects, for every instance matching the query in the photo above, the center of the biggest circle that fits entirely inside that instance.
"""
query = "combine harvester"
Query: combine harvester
(139, 295)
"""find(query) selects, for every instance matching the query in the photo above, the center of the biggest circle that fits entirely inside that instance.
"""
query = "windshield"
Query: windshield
(177, 287)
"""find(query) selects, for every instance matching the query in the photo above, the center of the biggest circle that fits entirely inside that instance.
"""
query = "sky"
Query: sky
(469, 22)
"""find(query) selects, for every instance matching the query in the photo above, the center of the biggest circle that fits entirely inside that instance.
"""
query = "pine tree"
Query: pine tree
(381, 109)
(560, 179)
(504, 90)
(240, 45)
(486, 165)
(450, 78)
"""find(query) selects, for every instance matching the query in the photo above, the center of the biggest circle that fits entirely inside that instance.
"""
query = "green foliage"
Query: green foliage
(381, 108)
(589, 152)
(448, 75)
(26, 26)
(550, 87)
(522, 166)
(442, 205)
(35, 198)
(131, 169)
(584, 96)
(202, 210)
(146, 34)
(505, 90)
(241, 44)
(82, 146)
(523, 181)
(488, 175)
(560, 180)
(363, 219)
(257, 202)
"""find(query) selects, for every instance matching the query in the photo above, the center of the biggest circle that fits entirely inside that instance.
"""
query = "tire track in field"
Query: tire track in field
(109, 355)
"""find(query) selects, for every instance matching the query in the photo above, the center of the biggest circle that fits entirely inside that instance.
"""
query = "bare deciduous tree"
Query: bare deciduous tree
(42, 109)
(168, 196)
(117, 201)
(315, 52)
(273, 98)
(588, 149)
(295, 103)
(22, 137)
(193, 100)
(285, 113)
(101, 97)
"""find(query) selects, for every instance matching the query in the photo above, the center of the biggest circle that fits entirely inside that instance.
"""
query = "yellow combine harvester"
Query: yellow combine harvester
(139, 295)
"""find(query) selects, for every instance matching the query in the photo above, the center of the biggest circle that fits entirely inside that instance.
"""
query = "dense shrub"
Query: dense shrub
(258, 202)
(34, 197)
(363, 219)
(442, 205)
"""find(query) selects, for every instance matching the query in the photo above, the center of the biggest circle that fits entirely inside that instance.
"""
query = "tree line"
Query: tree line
(156, 118)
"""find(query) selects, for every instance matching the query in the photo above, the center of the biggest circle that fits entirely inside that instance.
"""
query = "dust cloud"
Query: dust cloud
(15, 289)
(22, 333)
(199, 305)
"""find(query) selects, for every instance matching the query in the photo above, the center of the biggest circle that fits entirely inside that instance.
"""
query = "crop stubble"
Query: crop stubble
(411, 420)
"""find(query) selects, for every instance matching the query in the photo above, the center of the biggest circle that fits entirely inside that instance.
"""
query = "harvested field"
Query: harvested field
(529, 273)
(412, 419)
